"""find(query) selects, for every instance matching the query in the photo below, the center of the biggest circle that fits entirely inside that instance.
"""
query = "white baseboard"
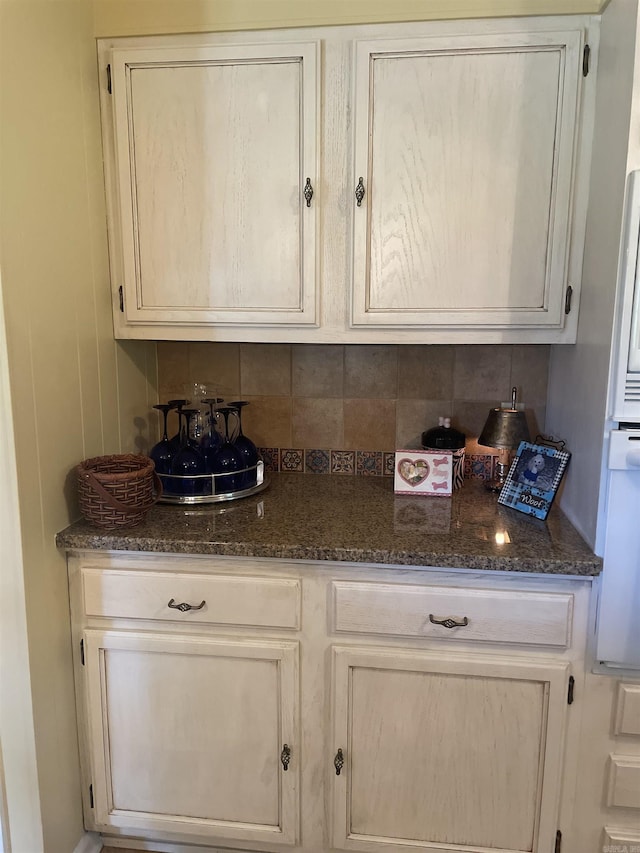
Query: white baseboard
(89, 843)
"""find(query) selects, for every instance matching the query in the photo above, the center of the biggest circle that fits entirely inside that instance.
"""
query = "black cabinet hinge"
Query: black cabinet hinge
(121, 298)
(567, 299)
(586, 60)
(82, 652)
(91, 795)
(572, 683)
(558, 845)
(109, 87)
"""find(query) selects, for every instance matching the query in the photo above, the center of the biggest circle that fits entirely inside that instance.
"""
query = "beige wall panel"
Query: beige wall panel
(68, 387)
(96, 347)
(135, 17)
(20, 804)
(137, 385)
(45, 255)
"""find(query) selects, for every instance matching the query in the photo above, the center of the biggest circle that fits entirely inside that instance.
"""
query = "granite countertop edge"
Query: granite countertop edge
(346, 555)
(314, 518)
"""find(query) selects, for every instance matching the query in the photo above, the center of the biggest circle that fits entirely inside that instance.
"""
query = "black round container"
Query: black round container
(445, 437)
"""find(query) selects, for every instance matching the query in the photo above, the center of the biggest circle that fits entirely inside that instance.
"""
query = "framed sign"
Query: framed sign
(423, 472)
(533, 478)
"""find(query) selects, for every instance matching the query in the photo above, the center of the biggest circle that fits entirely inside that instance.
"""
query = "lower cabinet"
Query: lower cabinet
(441, 751)
(193, 735)
(271, 706)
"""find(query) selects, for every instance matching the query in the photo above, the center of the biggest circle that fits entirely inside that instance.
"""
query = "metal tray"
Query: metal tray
(208, 487)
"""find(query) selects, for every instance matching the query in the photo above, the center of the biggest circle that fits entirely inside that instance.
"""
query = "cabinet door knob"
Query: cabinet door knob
(184, 606)
(338, 762)
(308, 192)
(448, 622)
(285, 756)
(359, 192)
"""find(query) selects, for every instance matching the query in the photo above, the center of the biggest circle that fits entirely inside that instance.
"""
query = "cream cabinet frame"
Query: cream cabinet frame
(193, 736)
(441, 730)
(167, 698)
(467, 144)
(465, 233)
(215, 155)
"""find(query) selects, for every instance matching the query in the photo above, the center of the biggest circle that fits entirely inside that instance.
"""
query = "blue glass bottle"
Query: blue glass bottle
(189, 462)
(226, 461)
(176, 439)
(162, 453)
(246, 448)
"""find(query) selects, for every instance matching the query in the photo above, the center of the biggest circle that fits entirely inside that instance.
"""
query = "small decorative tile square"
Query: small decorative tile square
(343, 461)
(271, 458)
(317, 461)
(479, 466)
(496, 460)
(388, 464)
(369, 463)
(291, 459)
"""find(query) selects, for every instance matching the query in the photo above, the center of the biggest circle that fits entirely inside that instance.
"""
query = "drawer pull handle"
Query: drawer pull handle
(285, 756)
(359, 192)
(308, 192)
(448, 622)
(184, 606)
(338, 762)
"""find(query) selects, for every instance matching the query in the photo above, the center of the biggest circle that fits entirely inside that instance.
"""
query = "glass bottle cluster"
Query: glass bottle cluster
(209, 454)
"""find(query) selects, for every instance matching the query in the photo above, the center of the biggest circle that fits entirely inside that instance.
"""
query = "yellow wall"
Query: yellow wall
(75, 392)
(132, 17)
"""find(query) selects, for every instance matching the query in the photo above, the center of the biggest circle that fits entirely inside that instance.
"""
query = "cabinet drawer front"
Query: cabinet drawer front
(499, 616)
(624, 782)
(228, 600)
(628, 710)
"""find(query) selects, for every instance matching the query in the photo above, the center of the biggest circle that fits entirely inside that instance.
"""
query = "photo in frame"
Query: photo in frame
(533, 479)
(423, 472)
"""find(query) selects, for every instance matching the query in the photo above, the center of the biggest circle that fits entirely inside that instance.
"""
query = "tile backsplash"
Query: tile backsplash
(336, 407)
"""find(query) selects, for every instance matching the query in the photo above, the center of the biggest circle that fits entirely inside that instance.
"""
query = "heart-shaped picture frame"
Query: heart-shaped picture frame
(414, 471)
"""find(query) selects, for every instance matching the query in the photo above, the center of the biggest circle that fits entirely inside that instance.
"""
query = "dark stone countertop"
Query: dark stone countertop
(355, 519)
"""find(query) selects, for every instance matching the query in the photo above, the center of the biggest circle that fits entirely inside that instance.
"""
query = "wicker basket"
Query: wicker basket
(117, 491)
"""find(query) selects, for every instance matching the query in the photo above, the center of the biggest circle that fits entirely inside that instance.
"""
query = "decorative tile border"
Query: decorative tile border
(317, 461)
(369, 463)
(365, 463)
(291, 460)
(271, 458)
(343, 461)
(478, 466)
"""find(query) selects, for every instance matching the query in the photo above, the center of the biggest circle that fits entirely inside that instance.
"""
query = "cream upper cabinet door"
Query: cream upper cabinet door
(465, 146)
(193, 735)
(215, 183)
(445, 752)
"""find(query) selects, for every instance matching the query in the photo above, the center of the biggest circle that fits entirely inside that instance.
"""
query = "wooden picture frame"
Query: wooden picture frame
(533, 479)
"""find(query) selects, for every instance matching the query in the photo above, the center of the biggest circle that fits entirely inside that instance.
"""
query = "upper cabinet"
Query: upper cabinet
(466, 148)
(215, 169)
(436, 193)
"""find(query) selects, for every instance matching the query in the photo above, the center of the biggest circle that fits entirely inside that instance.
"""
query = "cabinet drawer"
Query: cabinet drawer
(228, 599)
(628, 710)
(624, 782)
(499, 616)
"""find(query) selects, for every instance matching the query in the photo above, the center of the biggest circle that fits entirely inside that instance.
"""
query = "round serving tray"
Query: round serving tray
(169, 496)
